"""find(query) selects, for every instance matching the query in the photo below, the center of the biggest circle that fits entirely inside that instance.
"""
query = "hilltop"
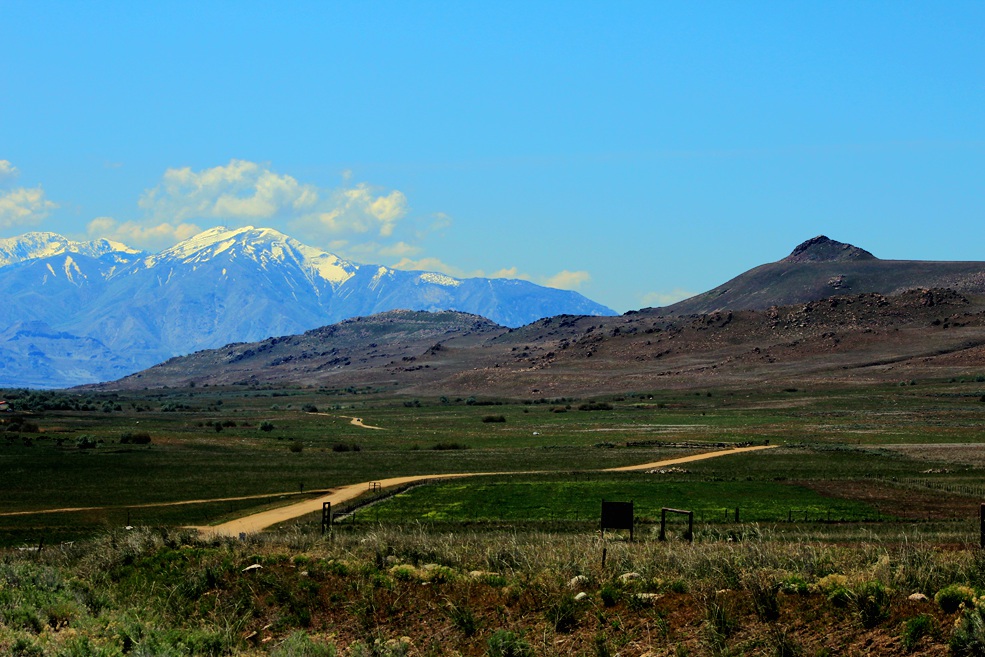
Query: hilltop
(822, 267)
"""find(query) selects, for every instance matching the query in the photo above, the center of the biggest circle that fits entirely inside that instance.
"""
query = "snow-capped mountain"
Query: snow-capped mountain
(32, 246)
(225, 285)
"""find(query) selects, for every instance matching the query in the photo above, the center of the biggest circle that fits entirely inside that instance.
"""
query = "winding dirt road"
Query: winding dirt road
(260, 521)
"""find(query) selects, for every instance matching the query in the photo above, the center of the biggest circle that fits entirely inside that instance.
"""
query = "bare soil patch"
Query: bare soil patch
(963, 453)
(909, 504)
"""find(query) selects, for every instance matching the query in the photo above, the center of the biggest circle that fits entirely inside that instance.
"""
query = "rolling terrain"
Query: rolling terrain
(842, 339)
(796, 321)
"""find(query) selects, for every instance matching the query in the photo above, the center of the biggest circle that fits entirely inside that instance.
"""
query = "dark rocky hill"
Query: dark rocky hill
(822, 267)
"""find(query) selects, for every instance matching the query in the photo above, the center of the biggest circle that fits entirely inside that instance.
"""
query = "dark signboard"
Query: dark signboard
(617, 515)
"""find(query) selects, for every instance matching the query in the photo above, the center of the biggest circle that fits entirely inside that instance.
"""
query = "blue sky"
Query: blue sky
(637, 152)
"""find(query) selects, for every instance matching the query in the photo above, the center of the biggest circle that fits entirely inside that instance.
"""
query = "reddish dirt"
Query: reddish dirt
(906, 503)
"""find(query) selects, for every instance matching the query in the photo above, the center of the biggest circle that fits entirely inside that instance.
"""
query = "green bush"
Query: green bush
(595, 406)
(950, 598)
(871, 601)
(968, 639)
(463, 618)
(610, 594)
(916, 628)
(135, 438)
(494, 418)
(300, 644)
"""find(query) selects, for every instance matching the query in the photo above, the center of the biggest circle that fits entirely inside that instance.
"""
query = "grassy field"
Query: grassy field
(872, 495)
(207, 444)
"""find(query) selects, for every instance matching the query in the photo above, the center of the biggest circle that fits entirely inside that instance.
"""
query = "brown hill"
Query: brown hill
(822, 267)
(850, 338)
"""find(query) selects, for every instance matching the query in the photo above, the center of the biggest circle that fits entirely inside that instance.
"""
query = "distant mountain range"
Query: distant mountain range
(82, 312)
(829, 312)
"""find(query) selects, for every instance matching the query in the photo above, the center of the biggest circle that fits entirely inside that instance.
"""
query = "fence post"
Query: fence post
(326, 516)
(981, 522)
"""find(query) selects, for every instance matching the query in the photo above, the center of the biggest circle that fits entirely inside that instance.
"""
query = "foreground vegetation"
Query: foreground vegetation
(379, 591)
(871, 496)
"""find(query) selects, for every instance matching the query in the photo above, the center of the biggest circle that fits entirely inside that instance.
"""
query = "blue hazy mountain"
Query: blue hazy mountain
(130, 310)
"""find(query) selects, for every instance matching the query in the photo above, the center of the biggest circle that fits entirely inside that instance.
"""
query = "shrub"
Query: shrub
(137, 438)
(595, 406)
(764, 589)
(494, 418)
(610, 594)
(871, 601)
(720, 620)
(969, 634)
(296, 447)
(950, 598)
(309, 408)
(916, 628)
(504, 643)
(266, 426)
(463, 619)
(85, 441)
(449, 446)
(784, 643)
(345, 447)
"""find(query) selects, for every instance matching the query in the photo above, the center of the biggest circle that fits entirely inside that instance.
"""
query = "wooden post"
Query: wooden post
(690, 527)
(981, 521)
(326, 516)
(663, 525)
(737, 514)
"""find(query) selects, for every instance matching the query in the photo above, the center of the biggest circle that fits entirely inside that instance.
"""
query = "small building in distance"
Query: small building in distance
(4, 406)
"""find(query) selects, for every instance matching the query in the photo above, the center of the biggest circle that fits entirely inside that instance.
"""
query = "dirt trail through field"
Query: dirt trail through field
(355, 421)
(260, 521)
(150, 505)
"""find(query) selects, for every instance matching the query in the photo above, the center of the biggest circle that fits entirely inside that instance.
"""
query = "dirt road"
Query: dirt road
(355, 421)
(260, 521)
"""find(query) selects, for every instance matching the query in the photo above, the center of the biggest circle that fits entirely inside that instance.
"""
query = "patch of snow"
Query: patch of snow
(71, 269)
(438, 279)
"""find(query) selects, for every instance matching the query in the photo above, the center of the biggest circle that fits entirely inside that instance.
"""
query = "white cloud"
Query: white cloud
(7, 170)
(239, 191)
(153, 237)
(567, 280)
(361, 209)
(398, 250)
(434, 264)
(657, 299)
(439, 221)
(24, 206)
(564, 280)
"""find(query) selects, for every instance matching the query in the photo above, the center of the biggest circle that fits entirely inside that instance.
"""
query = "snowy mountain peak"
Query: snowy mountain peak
(32, 246)
(264, 246)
